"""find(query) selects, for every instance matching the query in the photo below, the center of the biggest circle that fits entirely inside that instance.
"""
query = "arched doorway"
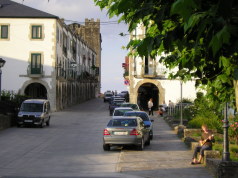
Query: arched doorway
(145, 92)
(36, 90)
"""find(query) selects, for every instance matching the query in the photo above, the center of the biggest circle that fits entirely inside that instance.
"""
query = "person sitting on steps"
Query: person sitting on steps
(204, 144)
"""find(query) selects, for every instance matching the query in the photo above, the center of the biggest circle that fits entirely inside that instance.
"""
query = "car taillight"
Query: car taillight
(105, 132)
(134, 132)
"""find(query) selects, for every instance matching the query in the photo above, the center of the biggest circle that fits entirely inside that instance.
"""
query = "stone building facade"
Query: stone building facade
(90, 32)
(148, 78)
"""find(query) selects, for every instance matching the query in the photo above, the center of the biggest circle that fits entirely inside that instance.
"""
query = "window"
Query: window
(4, 31)
(36, 63)
(36, 32)
(58, 35)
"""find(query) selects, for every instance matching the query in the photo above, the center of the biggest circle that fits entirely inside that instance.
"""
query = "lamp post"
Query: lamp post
(226, 153)
(181, 103)
(2, 62)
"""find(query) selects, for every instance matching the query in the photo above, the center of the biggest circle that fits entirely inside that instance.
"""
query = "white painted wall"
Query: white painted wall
(17, 50)
(172, 87)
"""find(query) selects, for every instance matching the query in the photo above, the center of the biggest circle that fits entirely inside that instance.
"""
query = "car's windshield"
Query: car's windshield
(32, 107)
(120, 112)
(108, 95)
(124, 122)
(143, 116)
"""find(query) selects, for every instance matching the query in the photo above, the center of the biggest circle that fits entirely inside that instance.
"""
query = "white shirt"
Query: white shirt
(150, 104)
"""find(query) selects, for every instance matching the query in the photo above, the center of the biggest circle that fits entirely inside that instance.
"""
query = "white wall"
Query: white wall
(17, 50)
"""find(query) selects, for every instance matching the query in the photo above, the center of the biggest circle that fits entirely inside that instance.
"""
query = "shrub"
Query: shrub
(233, 130)
(211, 121)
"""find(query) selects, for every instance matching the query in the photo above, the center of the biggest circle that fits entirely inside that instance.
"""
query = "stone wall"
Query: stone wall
(6, 121)
(222, 169)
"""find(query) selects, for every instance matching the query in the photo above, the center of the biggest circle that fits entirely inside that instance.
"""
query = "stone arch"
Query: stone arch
(161, 90)
(27, 83)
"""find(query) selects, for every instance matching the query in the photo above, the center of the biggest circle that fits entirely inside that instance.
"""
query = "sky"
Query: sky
(112, 53)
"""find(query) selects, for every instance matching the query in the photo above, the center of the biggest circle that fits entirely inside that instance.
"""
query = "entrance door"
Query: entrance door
(145, 92)
(36, 91)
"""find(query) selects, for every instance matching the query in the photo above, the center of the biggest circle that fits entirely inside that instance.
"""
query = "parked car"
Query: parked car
(114, 98)
(120, 111)
(126, 131)
(107, 96)
(135, 107)
(144, 116)
(34, 112)
(114, 105)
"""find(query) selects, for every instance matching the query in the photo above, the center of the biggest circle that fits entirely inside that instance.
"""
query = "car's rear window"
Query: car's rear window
(120, 112)
(117, 103)
(141, 115)
(124, 122)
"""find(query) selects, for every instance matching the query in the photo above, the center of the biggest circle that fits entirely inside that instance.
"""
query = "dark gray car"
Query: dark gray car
(34, 112)
(126, 131)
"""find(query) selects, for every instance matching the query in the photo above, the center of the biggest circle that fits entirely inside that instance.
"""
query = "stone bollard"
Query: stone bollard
(179, 130)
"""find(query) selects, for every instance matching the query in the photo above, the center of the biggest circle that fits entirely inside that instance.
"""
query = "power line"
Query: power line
(101, 23)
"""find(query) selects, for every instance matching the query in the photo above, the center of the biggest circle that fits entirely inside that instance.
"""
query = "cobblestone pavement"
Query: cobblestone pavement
(167, 156)
(72, 147)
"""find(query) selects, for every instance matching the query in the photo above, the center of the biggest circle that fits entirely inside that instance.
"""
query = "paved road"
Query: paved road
(72, 147)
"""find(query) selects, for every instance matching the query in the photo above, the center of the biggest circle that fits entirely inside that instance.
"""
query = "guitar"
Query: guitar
(204, 141)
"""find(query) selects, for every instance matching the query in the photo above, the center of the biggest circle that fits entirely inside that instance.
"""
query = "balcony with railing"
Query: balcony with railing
(35, 72)
(150, 71)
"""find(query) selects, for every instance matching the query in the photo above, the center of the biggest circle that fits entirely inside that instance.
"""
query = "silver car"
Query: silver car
(120, 111)
(126, 131)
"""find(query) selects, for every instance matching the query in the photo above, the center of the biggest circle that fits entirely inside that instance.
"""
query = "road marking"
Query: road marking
(118, 165)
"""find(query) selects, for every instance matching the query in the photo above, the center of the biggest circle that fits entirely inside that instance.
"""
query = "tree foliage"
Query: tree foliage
(200, 37)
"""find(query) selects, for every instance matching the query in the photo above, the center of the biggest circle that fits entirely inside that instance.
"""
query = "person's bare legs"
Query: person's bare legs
(200, 159)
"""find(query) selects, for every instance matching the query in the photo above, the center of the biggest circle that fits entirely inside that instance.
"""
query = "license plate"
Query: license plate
(28, 121)
(120, 133)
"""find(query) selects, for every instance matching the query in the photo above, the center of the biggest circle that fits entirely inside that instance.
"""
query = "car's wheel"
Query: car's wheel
(141, 146)
(18, 125)
(151, 135)
(148, 142)
(104, 101)
(48, 122)
(106, 147)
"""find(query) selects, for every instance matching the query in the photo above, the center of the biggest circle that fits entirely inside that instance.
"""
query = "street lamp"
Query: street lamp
(181, 103)
(2, 62)
(226, 153)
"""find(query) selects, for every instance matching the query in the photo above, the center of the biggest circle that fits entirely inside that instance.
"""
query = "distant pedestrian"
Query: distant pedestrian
(171, 104)
(150, 106)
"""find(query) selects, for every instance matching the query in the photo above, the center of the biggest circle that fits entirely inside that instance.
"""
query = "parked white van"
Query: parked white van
(34, 112)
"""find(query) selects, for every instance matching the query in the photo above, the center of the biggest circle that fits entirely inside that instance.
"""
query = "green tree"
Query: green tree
(199, 36)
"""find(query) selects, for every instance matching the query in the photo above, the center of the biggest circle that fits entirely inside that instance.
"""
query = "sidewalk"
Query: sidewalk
(167, 157)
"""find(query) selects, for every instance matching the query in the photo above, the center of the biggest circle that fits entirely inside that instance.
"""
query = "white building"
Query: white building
(44, 57)
(147, 80)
